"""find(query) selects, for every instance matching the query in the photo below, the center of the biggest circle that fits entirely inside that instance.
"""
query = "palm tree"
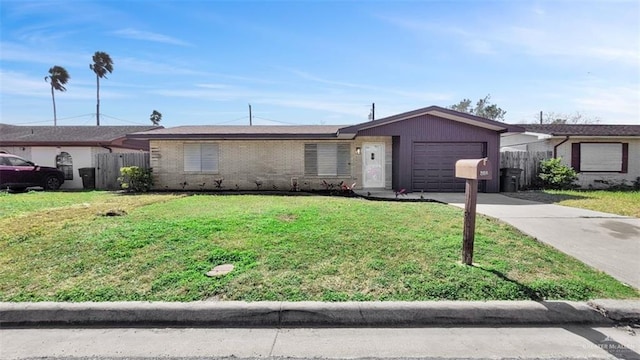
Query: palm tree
(155, 117)
(58, 77)
(102, 64)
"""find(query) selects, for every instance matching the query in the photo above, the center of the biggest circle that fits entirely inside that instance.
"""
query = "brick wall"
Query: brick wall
(243, 162)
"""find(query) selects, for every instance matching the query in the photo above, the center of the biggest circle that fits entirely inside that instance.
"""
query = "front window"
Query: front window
(64, 163)
(327, 159)
(601, 157)
(201, 157)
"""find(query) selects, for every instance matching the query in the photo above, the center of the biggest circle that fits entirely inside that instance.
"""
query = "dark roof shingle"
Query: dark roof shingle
(66, 134)
(235, 131)
(583, 129)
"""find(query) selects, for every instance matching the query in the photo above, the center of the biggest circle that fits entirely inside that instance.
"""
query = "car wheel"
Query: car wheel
(51, 183)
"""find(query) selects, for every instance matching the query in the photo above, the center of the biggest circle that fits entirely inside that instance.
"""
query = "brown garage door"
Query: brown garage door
(434, 165)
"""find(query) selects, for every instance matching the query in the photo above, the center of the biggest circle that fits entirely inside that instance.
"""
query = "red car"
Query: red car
(17, 174)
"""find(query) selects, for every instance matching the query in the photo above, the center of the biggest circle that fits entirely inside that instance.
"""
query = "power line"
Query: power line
(277, 121)
(127, 121)
(230, 121)
(59, 119)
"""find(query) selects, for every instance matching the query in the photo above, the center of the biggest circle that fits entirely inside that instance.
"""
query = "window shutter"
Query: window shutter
(575, 156)
(310, 159)
(344, 159)
(191, 157)
(327, 159)
(625, 158)
(209, 157)
(604, 157)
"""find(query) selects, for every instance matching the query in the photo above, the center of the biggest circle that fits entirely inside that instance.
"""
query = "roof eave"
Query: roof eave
(71, 144)
(234, 136)
(442, 113)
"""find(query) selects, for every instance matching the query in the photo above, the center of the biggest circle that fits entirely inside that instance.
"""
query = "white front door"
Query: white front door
(373, 165)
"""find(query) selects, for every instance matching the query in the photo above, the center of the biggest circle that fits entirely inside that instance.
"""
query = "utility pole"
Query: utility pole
(540, 117)
(250, 116)
(372, 114)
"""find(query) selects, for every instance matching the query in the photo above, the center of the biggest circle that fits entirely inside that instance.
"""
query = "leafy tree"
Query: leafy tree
(574, 118)
(155, 117)
(58, 77)
(102, 64)
(483, 108)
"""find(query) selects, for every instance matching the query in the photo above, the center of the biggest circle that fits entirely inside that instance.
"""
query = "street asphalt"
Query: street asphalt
(567, 342)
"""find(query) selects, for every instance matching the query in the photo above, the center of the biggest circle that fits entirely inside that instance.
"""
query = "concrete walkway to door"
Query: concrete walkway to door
(607, 242)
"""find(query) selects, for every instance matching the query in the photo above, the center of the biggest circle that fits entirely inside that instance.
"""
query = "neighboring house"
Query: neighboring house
(69, 148)
(415, 151)
(602, 155)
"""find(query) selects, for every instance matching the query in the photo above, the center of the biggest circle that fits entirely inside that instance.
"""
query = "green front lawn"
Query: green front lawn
(617, 202)
(60, 247)
(626, 203)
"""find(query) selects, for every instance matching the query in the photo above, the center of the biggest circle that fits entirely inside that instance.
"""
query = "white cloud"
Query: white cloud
(130, 33)
(14, 83)
(213, 86)
(617, 104)
(595, 32)
(404, 92)
(19, 53)
(153, 67)
(19, 84)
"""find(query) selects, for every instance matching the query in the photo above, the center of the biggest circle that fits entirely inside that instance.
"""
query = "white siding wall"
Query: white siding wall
(22, 151)
(596, 179)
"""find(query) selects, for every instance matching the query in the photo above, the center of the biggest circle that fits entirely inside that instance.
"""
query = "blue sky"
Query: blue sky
(318, 62)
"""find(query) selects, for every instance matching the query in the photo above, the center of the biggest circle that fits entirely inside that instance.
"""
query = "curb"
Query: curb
(320, 314)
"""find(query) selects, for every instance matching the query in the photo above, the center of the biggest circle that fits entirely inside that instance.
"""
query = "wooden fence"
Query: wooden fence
(108, 167)
(529, 162)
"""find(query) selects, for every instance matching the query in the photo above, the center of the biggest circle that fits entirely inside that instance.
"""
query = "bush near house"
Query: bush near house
(136, 179)
(555, 175)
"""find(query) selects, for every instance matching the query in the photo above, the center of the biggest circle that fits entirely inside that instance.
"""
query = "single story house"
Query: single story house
(69, 147)
(415, 151)
(603, 155)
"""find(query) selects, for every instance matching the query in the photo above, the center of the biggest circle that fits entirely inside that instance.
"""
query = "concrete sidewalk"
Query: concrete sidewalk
(320, 314)
(607, 242)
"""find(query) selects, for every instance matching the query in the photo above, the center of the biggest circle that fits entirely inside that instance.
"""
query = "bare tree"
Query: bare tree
(483, 108)
(573, 118)
(58, 77)
(102, 64)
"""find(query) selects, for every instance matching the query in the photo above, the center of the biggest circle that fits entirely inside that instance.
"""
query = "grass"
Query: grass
(617, 202)
(59, 248)
(626, 203)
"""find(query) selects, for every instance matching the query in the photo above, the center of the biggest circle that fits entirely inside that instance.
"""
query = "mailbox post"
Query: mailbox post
(472, 170)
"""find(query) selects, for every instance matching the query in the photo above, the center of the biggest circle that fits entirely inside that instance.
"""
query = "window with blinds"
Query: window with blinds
(327, 159)
(200, 157)
(601, 157)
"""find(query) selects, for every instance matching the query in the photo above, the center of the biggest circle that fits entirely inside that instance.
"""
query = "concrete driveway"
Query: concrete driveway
(607, 242)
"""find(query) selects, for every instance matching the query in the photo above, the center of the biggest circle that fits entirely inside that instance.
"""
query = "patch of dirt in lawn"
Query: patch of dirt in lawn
(55, 218)
(287, 217)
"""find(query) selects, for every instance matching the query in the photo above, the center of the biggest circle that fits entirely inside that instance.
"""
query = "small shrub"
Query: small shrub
(136, 179)
(555, 175)
(218, 183)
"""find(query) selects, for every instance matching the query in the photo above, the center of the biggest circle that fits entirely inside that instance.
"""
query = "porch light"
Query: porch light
(358, 150)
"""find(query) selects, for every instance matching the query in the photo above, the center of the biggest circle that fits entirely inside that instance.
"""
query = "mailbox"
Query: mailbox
(476, 169)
